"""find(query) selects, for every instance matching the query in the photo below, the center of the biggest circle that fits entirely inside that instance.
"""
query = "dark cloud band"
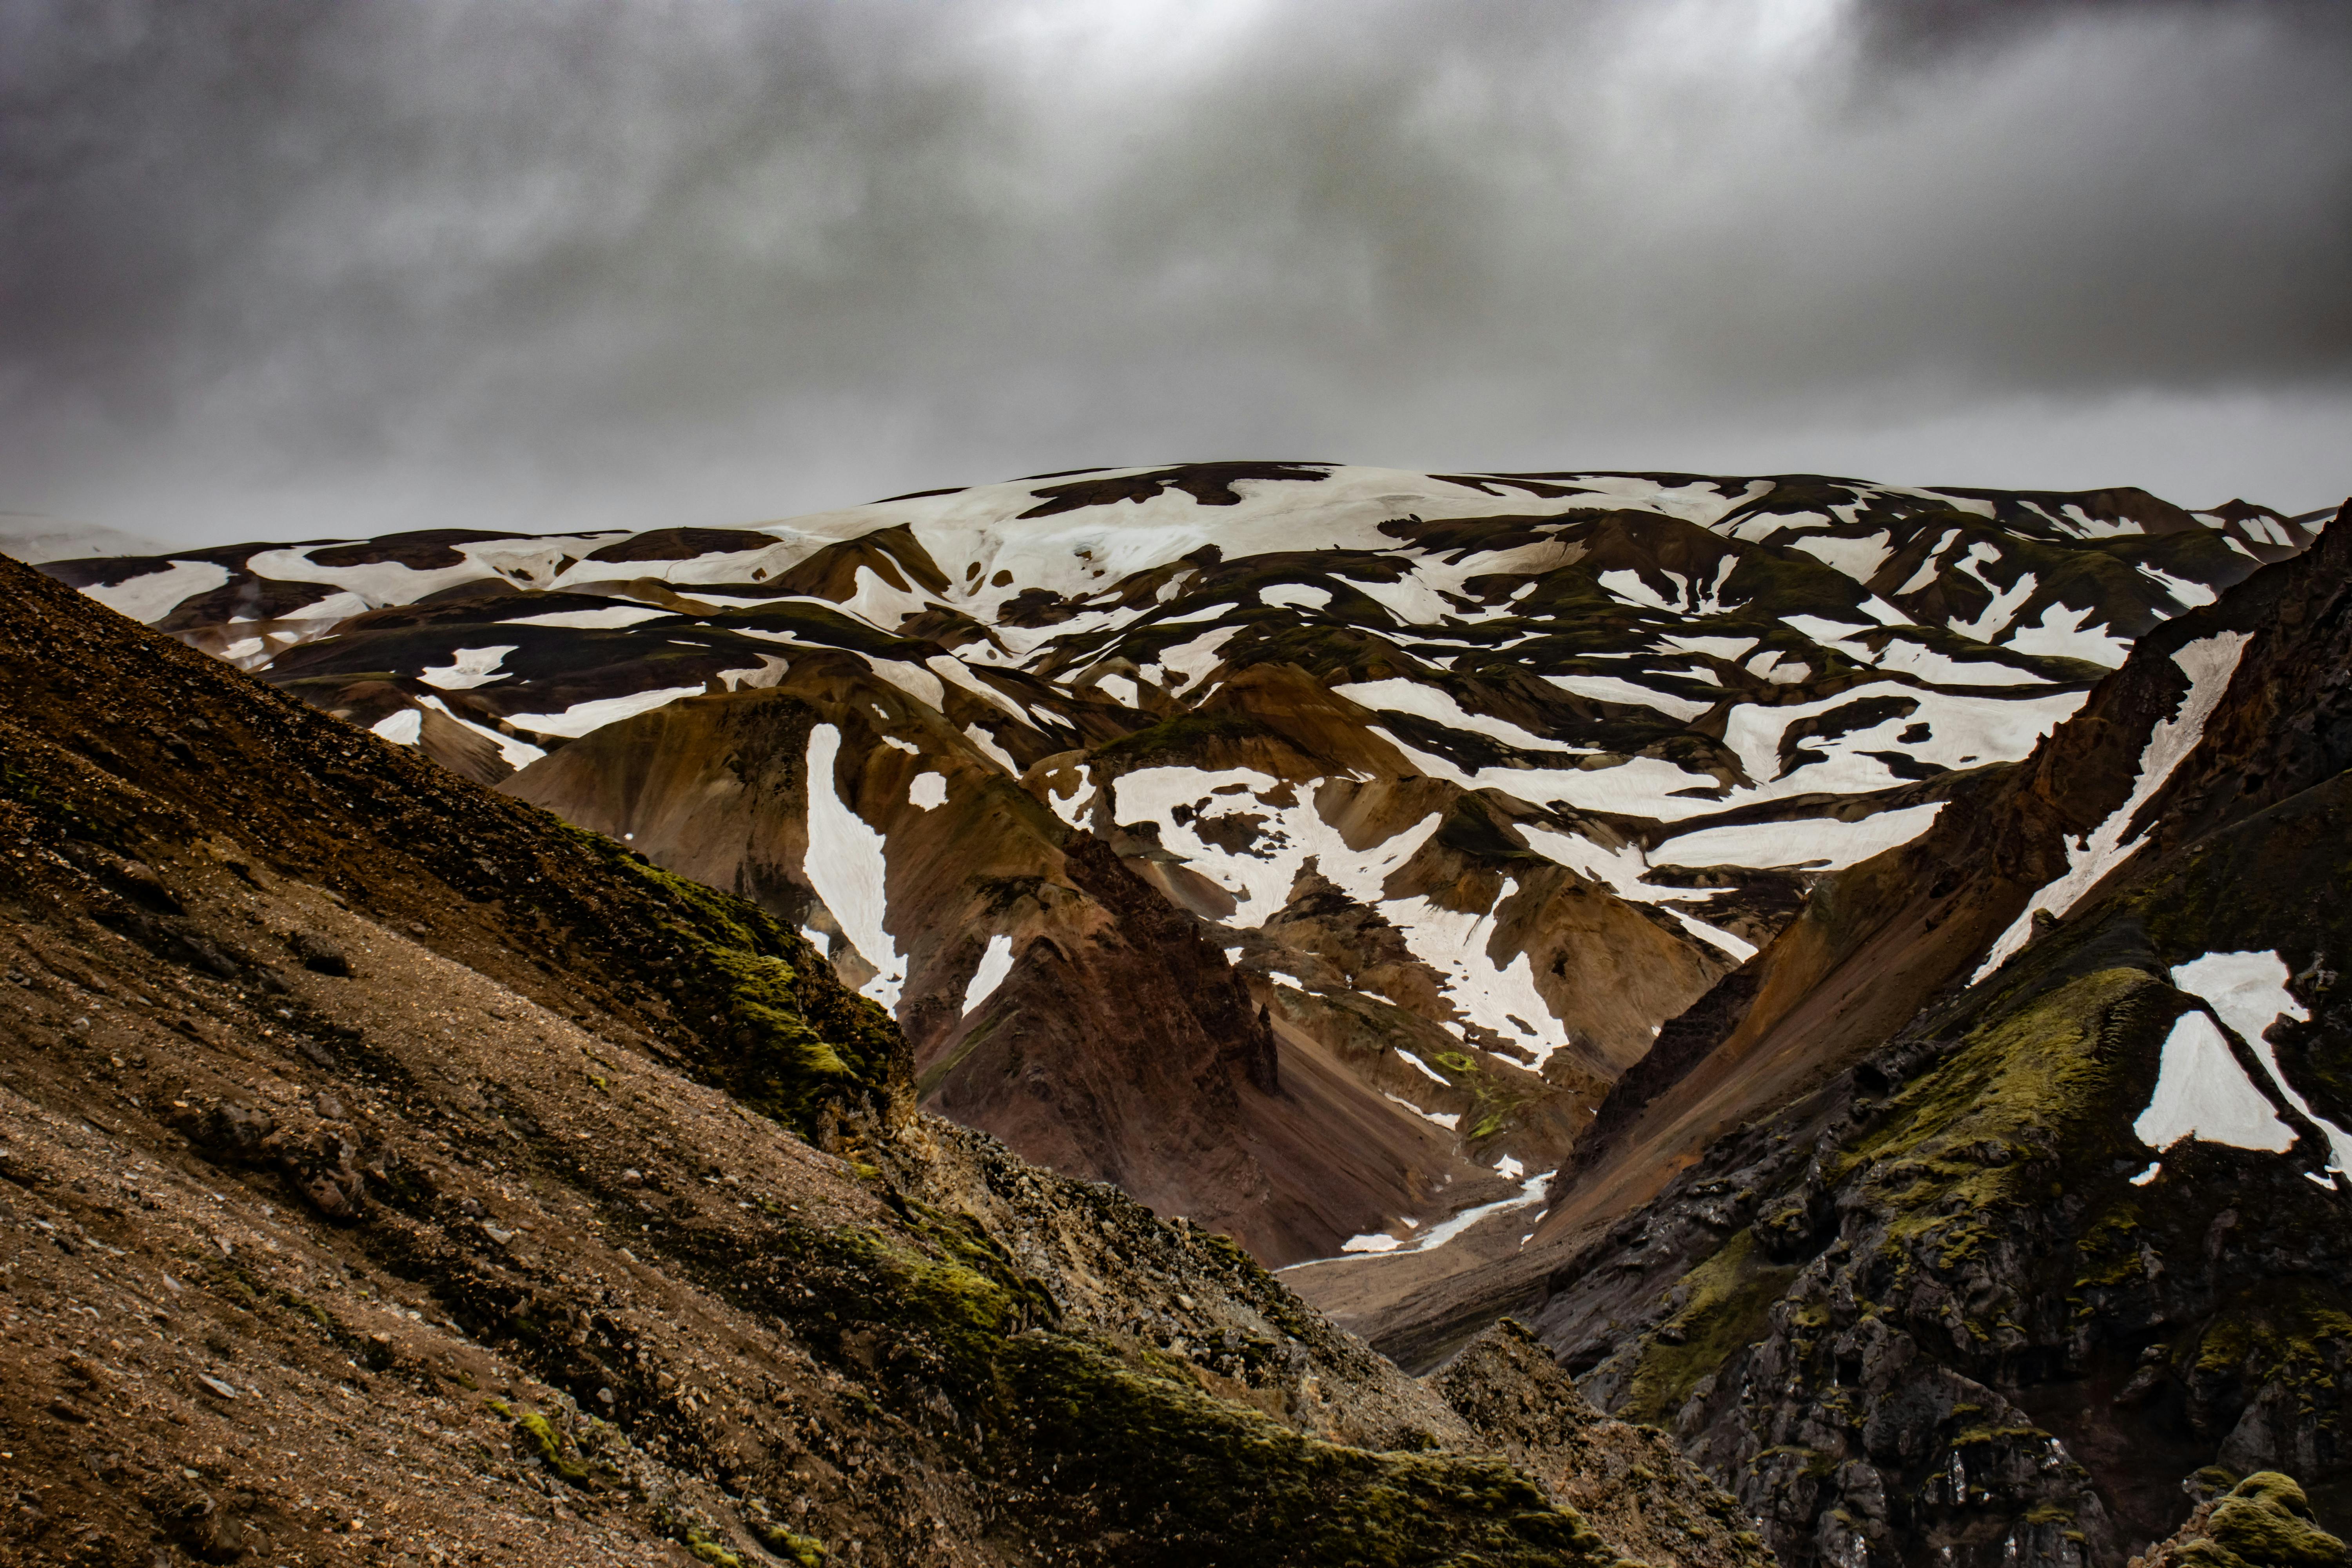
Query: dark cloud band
(428, 263)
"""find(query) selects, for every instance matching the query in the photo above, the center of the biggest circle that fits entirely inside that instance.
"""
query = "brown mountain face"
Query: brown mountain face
(1456, 789)
(394, 1172)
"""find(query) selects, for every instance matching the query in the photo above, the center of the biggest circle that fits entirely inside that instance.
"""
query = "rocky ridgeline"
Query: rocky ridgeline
(2071, 1236)
(1305, 848)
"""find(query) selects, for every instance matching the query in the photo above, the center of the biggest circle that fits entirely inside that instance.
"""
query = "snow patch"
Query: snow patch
(401, 729)
(847, 866)
(584, 717)
(2209, 662)
(2248, 990)
(995, 964)
(1430, 702)
(471, 667)
(603, 618)
(2202, 1092)
(154, 595)
(928, 791)
(1295, 595)
(1820, 841)
(1617, 688)
(2062, 635)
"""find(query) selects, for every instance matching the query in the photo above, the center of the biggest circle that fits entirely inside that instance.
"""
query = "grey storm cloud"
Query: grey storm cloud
(279, 267)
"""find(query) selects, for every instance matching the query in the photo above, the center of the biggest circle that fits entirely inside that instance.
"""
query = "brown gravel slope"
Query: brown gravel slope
(389, 1174)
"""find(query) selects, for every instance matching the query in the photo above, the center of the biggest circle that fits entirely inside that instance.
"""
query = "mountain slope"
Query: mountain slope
(1993, 1280)
(392, 1172)
(1476, 780)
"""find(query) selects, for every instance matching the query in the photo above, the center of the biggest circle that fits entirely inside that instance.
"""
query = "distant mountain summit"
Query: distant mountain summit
(1306, 849)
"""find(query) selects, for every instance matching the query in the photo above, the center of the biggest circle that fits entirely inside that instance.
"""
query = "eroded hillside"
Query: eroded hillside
(391, 1172)
(1305, 848)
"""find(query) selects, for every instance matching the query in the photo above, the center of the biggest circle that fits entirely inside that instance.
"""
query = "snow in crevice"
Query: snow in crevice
(2208, 663)
(1379, 1244)
(517, 754)
(995, 964)
(1425, 1070)
(847, 866)
(1449, 1119)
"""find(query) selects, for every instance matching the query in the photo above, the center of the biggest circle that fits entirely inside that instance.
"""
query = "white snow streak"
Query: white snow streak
(995, 964)
(846, 866)
(582, 717)
(2209, 662)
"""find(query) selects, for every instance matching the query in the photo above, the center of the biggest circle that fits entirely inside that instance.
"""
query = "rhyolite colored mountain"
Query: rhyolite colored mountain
(1475, 781)
(1849, 976)
(1305, 848)
(391, 1172)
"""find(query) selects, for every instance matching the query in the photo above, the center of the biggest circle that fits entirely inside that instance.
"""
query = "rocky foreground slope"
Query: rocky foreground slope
(390, 1172)
(1305, 848)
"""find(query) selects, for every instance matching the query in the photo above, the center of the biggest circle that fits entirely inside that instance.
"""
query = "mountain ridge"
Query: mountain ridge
(1477, 780)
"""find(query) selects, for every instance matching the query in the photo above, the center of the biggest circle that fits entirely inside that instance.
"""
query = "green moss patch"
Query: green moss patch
(1197, 1480)
(1729, 1309)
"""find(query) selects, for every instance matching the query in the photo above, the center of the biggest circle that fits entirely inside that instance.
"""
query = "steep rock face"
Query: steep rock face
(1476, 780)
(1991, 1286)
(397, 1171)
(1630, 1482)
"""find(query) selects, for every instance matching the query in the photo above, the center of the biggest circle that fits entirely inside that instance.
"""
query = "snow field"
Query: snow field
(470, 667)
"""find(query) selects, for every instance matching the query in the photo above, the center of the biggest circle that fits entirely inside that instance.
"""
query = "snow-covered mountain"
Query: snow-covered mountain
(1306, 849)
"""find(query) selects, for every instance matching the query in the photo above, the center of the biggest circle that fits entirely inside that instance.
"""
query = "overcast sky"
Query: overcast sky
(284, 269)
